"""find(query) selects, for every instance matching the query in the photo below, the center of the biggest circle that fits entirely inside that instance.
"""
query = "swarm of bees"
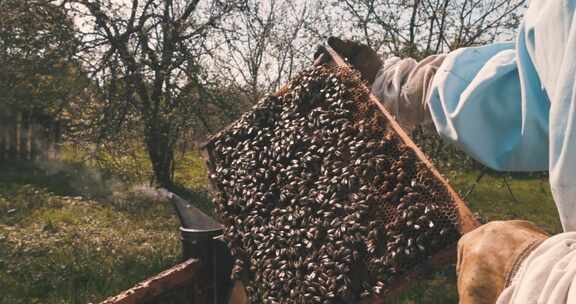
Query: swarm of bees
(321, 202)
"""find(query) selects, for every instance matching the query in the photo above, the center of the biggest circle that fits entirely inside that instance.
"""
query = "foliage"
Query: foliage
(531, 198)
(191, 171)
(126, 160)
(36, 46)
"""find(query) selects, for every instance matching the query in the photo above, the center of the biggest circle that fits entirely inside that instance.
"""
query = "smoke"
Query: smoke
(147, 192)
(78, 179)
(73, 178)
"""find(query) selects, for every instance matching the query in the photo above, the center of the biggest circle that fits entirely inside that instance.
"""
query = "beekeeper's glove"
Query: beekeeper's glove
(489, 256)
(364, 59)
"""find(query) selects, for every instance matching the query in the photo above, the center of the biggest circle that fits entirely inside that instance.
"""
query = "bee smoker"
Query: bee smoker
(200, 236)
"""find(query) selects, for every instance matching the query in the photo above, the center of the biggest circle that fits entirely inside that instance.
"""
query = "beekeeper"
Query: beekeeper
(512, 107)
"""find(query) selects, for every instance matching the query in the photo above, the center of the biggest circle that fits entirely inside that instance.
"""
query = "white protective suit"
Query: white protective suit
(511, 106)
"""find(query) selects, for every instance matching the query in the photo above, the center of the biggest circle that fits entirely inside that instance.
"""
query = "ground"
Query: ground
(68, 235)
(59, 247)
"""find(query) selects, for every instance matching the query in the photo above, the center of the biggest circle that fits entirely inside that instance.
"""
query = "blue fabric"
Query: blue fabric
(512, 106)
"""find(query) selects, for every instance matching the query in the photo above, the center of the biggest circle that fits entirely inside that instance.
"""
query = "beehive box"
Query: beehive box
(325, 198)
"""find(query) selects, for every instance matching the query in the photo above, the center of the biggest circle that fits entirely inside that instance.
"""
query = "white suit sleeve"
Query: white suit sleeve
(481, 101)
(402, 85)
(513, 107)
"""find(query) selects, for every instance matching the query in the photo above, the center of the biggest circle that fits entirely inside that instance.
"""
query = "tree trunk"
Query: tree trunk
(30, 138)
(160, 147)
(12, 136)
(55, 139)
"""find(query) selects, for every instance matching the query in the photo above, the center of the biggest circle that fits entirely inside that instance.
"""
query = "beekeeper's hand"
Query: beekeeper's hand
(488, 255)
(364, 59)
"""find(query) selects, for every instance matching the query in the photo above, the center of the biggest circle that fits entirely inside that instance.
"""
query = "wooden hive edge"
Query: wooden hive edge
(156, 286)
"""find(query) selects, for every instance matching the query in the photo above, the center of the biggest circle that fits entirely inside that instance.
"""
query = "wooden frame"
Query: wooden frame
(180, 276)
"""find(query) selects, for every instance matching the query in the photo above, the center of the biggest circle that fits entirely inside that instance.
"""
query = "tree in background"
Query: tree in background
(38, 76)
(418, 28)
(259, 48)
(263, 46)
(147, 58)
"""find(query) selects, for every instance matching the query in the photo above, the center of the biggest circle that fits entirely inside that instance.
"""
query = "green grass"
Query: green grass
(491, 198)
(64, 249)
(67, 236)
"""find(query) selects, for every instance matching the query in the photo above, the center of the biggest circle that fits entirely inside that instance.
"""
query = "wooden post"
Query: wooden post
(49, 141)
(3, 143)
(187, 275)
(35, 138)
(29, 138)
(23, 132)
(18, 135)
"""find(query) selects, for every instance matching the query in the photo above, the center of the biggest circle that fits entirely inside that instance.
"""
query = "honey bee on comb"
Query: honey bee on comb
(322, 201)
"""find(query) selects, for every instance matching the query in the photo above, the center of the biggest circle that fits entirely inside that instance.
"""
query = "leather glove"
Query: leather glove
(364, 59)
(488, 255)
